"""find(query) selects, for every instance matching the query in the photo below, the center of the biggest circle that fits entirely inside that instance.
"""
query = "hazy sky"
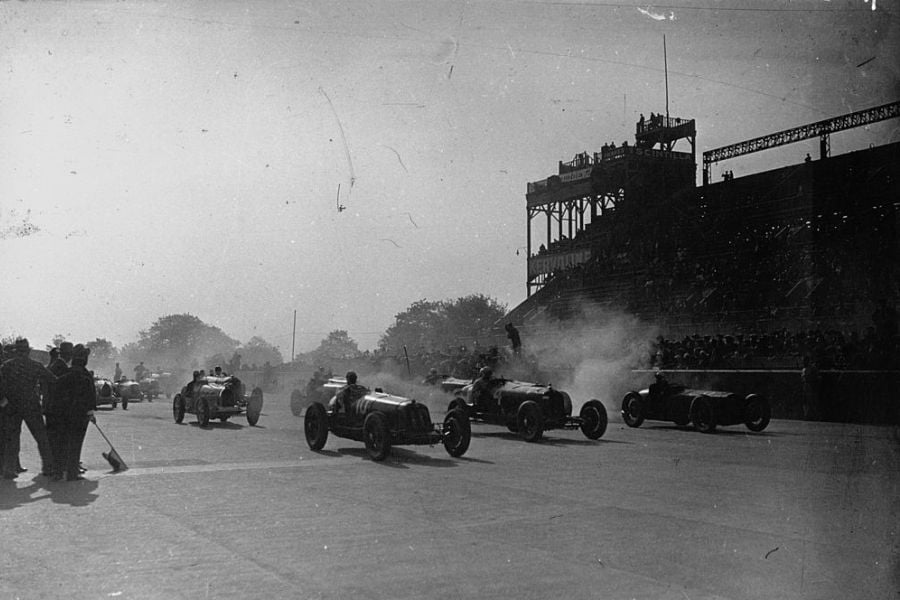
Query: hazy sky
(160, 158)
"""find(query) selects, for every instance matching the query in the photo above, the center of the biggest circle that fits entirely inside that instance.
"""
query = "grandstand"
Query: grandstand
(808, 245)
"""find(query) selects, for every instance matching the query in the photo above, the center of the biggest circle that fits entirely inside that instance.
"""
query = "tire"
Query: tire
(203, 412)
(254, 406)
(178, 408)
(377, 436)
(315, 426)
(457, 404)
(567, 403)
(457, 433)
(757, 413)
(530, 421)
(593, 419)
(702, 415)
(633, 410)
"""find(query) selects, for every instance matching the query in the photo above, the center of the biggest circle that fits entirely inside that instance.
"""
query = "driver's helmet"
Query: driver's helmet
(486, 373)
(660, 377)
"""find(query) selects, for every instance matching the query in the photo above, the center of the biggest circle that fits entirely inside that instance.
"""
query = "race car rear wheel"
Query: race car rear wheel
(377, 436)
(593, 419)
(702, 415)
(633, 410)
(530, 421)
(203, 412)
(315, 426)
(254, 406)
(457, 433)
(757, 413)
(178, 408)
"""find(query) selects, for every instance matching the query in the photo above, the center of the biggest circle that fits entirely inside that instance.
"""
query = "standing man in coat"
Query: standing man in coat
(19, 400)
(74, 407)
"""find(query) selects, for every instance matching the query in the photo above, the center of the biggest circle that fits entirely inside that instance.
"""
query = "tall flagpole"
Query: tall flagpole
(666, 65)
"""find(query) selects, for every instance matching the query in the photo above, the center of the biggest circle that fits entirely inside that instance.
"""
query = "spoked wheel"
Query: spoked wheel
(178, 408)
(315, 425)
(457, 433)
(203, 412)
(377, 436)
(254, 406)
(593, 419)
(757, 413)
(702, 415)
(633, 410)
(530, 421)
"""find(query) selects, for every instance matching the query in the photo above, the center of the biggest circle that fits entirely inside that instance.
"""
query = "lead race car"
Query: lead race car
(705, 409)
(382, 420)
(107, 394)
(217, 398)
(529, 409)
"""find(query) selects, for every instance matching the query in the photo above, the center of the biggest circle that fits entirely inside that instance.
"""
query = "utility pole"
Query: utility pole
(294, 335)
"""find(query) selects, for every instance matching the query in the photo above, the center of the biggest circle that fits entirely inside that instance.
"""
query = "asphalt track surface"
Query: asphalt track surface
(802, 510)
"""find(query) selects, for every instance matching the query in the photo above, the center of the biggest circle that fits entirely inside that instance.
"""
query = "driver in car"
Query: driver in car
(481, 395)
(346, 398)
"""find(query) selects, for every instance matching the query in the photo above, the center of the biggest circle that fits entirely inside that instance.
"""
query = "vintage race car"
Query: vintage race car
(382, 420)
(217, 398)
(129, 390)
(106, 393)
(529, 409)
(704, 409)
(317, 390)
(150, 386)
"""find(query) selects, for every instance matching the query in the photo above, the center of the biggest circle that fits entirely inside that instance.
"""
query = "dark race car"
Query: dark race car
(217, 398)
(150, 387)
(107, 394)
(129, 391)
(529, 409)
(382, 420)
(316, 390)
(704, 409)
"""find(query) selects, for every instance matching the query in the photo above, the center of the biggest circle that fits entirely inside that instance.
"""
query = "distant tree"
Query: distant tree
(102, 351)
(338, 345)
(434, 325)
(179, 341)
(57, 340)
(259, 351)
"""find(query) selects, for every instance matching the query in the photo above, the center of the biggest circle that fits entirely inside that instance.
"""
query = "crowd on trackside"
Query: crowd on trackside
(55, 402)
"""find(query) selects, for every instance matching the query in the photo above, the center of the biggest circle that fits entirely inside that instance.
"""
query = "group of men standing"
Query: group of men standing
(62, 392)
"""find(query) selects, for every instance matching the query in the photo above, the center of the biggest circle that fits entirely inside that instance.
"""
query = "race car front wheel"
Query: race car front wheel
(315, 426)
(757, 413)
(530, 421)
(593, 419)
(633, 410)
(254, 406)
(203, 412)
(178, 408)
(377, 436)
(457, 433)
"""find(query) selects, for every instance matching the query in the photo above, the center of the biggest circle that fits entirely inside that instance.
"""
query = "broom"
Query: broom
(112, 457)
